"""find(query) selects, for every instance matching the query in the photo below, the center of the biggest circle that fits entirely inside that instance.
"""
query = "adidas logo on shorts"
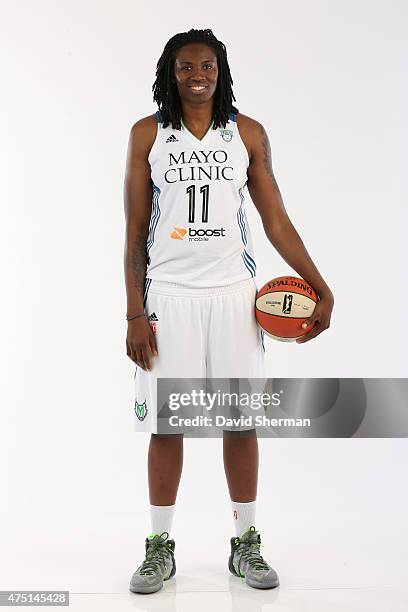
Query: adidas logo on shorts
(153, 317)
(172, 138)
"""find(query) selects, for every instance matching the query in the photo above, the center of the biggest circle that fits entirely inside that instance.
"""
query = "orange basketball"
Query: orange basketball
(282, 305)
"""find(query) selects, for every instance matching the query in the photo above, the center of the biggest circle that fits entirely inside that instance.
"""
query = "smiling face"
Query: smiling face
(196, 72)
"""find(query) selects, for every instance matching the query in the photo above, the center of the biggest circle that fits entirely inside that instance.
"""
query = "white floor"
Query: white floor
(351, 563)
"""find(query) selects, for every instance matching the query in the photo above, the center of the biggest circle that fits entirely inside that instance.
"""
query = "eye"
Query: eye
(210, 65)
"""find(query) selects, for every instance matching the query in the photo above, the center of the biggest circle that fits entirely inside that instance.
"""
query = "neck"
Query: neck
(197, 115)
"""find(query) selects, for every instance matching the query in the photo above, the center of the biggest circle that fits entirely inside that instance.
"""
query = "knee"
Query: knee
(248, 433)
(175, 437)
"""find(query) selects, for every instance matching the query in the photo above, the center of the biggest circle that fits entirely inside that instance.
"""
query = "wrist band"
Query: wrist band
(143, 314)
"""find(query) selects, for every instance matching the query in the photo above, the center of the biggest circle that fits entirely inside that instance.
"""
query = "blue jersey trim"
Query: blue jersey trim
(246, 257)
(263, 339)
(147, 283)
(232, 117)
(154, 219)
(250, 259)
(247, 263)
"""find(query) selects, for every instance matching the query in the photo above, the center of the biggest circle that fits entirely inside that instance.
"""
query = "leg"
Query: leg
(241, 469)
(237, 352)
(241, 460)
(165, 464)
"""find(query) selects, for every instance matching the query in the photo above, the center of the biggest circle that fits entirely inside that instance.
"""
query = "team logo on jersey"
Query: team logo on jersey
(172, 138)
(141, 410)
(226, 135)
(178, 233)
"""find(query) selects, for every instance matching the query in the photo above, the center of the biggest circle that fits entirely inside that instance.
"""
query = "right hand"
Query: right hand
(141, 343)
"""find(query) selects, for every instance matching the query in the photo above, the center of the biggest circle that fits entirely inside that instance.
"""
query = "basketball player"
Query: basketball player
(190, 268)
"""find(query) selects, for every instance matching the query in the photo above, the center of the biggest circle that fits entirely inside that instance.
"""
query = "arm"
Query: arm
(265, 194)
(140, 341)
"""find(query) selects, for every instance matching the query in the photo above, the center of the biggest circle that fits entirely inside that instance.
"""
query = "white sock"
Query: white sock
(161, 518)
(243, 514)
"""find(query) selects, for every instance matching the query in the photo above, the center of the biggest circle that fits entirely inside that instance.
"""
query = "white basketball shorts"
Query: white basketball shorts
(207, 332)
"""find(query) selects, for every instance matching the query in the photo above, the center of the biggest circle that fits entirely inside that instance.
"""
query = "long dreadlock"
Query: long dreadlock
(165, 91)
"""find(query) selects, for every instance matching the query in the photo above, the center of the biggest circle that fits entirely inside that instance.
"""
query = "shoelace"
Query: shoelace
(155, 555)
(251, 553)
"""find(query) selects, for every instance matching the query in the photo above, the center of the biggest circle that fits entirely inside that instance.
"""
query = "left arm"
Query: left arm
(265, 194)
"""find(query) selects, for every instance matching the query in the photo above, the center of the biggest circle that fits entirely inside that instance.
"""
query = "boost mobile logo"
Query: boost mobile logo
(196, 234)
(178, 233)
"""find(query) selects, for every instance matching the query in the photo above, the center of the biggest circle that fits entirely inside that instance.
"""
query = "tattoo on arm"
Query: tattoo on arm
(139, 262)
(267, 155)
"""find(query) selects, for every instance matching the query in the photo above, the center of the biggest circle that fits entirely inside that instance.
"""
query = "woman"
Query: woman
(190, 268)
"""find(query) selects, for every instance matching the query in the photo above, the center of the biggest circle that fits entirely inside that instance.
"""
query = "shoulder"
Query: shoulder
(143, 133)
(251, 131)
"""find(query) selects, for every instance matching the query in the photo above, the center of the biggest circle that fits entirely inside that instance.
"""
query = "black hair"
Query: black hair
(165, 91)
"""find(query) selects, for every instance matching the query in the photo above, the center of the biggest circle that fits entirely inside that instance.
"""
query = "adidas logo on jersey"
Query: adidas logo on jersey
(172, 138)
(153, 317)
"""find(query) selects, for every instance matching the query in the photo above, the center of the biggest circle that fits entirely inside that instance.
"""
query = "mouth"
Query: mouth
(198, 88)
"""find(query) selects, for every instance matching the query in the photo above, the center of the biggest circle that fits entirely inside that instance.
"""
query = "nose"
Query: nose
(197, 74)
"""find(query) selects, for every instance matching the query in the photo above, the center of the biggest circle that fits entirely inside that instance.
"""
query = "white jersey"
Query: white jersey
(198, 234)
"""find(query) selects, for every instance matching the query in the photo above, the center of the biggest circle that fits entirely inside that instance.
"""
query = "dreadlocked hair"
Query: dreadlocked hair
(165, 91)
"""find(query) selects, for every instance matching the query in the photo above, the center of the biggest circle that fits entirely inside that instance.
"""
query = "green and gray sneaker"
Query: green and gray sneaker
(159, 564)
(246, 561)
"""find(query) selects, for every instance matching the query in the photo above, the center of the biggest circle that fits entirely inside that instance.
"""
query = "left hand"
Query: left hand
(320, 319)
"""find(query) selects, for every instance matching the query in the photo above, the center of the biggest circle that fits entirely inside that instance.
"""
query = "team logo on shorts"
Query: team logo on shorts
(226, 135)
(141, 410)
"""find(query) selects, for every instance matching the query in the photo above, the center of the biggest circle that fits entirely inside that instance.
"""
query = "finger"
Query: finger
(317, 329)
(136, 355)
(131, 352)
(147, 354)
(139, 359)
(314, 318)
(309, 325)
(153, 344)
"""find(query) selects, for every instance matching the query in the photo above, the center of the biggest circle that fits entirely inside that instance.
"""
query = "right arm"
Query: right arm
(140, 340)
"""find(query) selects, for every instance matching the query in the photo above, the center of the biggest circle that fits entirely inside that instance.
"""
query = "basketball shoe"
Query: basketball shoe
(159, 564)
(246, 561)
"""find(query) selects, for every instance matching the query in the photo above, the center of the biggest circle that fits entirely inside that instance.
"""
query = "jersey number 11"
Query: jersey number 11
(191, 203)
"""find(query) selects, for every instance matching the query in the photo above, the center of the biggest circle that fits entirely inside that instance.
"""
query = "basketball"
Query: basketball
(282, 306)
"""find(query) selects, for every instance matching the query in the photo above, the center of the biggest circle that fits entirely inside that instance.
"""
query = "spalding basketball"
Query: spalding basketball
(282, 305)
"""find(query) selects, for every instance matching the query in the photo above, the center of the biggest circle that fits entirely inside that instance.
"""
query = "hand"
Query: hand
(141, 343)
(320, 319)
